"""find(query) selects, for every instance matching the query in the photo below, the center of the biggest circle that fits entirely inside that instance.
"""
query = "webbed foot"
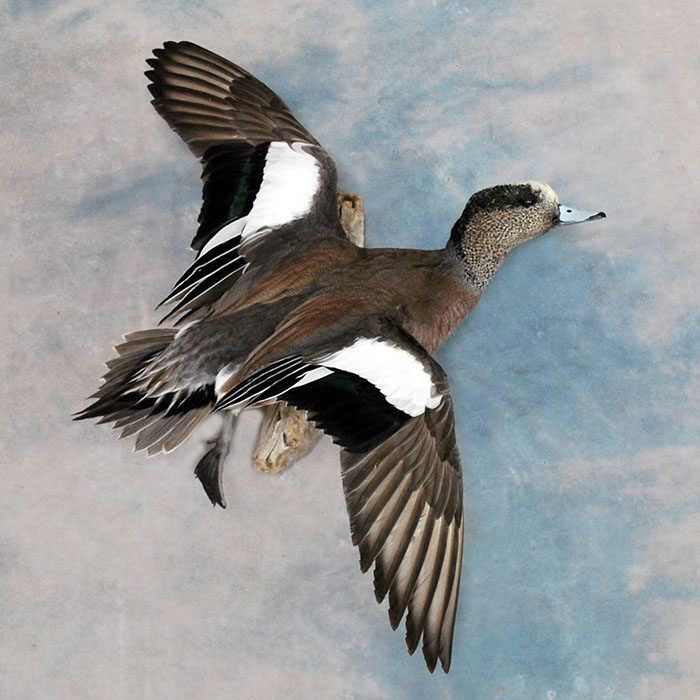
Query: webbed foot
(210, 468)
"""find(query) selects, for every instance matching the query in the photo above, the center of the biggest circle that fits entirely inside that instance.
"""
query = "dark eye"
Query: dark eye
(529, 201)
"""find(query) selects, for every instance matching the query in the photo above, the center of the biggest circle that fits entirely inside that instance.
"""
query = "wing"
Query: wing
(404, 499)
(207, 100)
(269, 187)
(387, 403)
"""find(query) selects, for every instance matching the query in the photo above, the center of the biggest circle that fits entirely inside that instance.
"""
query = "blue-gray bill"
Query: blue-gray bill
(569, 215)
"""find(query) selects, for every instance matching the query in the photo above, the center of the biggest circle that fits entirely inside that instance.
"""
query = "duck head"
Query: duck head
(497, 219)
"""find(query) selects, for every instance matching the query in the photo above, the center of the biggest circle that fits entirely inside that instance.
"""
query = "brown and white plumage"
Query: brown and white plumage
(279, 306)
(261, 170)
(404, 499)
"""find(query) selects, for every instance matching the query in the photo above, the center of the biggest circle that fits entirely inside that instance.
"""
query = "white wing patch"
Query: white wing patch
(397, 373)
(291, 178)
(313, 375)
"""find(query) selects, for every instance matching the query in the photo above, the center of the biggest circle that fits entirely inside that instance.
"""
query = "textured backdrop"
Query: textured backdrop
(575, 380)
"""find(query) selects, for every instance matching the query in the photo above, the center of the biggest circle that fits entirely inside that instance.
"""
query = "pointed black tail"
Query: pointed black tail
(161, 421)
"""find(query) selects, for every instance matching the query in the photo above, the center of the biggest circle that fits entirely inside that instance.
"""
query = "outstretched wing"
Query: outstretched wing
(387, 403)
(269, 187)
(404, 499)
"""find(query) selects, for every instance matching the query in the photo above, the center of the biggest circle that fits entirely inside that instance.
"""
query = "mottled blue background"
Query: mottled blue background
(576, 379)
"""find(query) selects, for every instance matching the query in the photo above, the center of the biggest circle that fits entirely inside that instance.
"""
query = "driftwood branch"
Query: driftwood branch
(285, 435)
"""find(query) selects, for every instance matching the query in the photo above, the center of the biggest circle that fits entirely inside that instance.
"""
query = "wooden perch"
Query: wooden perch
(285, 435)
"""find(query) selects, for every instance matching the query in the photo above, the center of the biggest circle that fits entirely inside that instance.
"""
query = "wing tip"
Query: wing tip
(446, 660)
(430, 662)
(395, 616)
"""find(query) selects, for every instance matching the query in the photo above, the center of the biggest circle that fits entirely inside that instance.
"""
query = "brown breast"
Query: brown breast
(423, 290)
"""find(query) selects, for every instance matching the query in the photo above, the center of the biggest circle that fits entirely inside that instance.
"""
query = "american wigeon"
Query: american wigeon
(279, 305)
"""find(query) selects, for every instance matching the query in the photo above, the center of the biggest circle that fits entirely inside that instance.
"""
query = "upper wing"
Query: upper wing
(267, 182)
(387, 403)
(209, 100)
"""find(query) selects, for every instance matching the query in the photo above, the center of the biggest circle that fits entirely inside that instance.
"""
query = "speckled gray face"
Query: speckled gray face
(497, 219)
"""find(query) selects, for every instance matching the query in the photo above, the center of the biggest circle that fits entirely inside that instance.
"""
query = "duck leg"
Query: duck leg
(210, 468)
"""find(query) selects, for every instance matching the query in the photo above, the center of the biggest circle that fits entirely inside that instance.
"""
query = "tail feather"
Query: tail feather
(180, 432)
(144, 341)
(123, 417)
(136, 426)
(129, 400)
(151, 437)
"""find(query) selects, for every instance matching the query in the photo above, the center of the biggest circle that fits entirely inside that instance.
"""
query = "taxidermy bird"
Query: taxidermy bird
(278, 305)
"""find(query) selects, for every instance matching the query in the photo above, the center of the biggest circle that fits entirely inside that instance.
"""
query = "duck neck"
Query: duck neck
(479, 253)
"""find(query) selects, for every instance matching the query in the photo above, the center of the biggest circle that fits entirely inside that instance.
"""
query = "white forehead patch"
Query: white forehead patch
(396, 372)
(548, 194)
